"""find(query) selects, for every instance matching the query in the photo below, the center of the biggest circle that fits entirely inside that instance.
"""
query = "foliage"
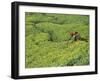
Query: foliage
(47, 40)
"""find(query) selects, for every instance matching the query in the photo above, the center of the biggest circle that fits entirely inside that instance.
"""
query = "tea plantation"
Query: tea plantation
(47, 41)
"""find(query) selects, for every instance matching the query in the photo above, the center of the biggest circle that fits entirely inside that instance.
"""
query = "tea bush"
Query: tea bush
(47, 41)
